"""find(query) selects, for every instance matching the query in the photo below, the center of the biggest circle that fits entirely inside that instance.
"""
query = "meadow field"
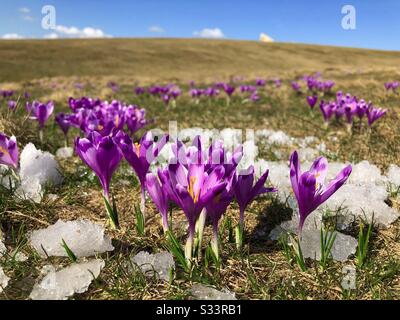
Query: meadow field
(264, 268)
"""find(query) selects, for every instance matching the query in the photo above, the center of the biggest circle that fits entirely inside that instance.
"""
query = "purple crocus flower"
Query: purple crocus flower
(374, 114)
(395, 86)
(41, 111)
(166, 98)
(296, 86)
(309, 187)
(192, 189)
(327, 109)
(245, 192)
(103, 156)
(388, 86)
(312, 101)
(211, 92)
(140, 155)
(8, 151)
(113, 86)
(278, 83)
(64, 122)
(139, 90)
(229, 90)
(254, 96)
(159, 196)
(12, 104)
(260, 82)
(135, 118)
(350, 110)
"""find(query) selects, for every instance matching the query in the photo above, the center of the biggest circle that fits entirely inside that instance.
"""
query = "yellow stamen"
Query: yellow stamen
(117, 121)
(100, 127)
(195, 197)
(137, 146)
(4, 151)
(317, 184)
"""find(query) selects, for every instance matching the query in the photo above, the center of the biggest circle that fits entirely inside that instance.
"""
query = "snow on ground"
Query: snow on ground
(37, 170)
(3, 280)
(202, 292)
(59, 285)
(158, 264)
(83, 237)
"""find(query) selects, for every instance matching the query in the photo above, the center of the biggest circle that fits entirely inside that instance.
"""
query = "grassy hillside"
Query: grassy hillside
(168, 59)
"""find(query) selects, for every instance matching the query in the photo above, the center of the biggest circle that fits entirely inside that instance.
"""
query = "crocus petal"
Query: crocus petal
(295, 173)
(335, 184)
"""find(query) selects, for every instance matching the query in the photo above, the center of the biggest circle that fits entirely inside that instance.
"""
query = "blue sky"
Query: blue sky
(308, 21)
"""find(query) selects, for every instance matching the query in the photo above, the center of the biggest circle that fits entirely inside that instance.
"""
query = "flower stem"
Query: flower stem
(189, 247)
(214, 241)
(199, 231)
(164, 221)
(143, 201)
(41, 135)
(112, 214)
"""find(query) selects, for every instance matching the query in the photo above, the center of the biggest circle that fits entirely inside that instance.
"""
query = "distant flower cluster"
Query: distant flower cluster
(167, 93)
(392, 86)
(313, 83)
(350, 107)
(90, 115)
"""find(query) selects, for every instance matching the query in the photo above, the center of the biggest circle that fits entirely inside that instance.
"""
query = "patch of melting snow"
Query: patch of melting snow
(274, 137)
(3, 280)
(7, 180)
(65, 153)
(83, 237)
(202, 292)
(3, 248)
(312, 223)
(365, 173)
(59, 285)
(343, 247)
(364, 201)
(160, 263)
(393, 175)
(37, 169)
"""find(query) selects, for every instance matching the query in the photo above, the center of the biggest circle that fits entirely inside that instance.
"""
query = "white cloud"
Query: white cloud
(12, 36)
(51, 36)
(156, 29)
(265, 38)
(24, 10)
(215, 33)
(27, 18)
(74, 32)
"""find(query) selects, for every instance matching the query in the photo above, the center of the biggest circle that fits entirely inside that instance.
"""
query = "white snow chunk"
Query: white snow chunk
(343, 246)
(30, 189)
(83, 237)
(250, 152)
(38, 169)
(364, 201)
(3, 280)
(307, 154)
(160, 263)
(393, 174)
(65, 153)
(232, 138)
(312, 223)
(59, 285)
(39, 164)
(366, 173)
(274, 137)
(7, 180)
(202, 292)
(3, 248)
